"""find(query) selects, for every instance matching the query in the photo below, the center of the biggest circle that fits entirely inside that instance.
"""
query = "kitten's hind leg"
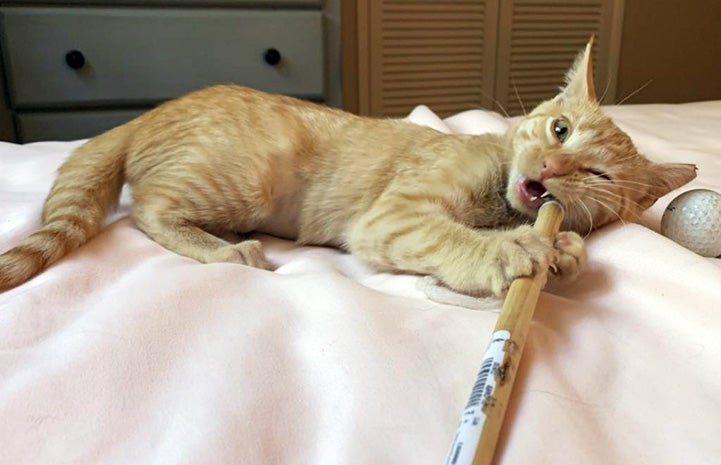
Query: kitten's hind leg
(185, 238)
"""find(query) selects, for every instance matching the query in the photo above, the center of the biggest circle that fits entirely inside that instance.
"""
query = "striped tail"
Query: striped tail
(87, 186)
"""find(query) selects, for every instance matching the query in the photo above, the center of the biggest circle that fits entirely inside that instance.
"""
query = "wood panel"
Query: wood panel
(349, 70)
(675, 46)
(440, 53)
(538, 41)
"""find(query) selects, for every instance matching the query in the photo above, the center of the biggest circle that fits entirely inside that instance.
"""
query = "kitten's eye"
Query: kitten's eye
(561, 129)
(599, 173)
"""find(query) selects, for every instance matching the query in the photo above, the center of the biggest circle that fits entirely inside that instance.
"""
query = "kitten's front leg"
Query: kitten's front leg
(505, 256)
(420, 236)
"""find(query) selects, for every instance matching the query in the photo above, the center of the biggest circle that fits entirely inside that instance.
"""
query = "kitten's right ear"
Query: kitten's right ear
(579, 79)
(665, 177)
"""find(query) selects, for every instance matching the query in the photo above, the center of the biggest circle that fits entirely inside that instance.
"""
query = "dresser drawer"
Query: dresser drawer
(70, 125)
(136, 56)
(207, 3)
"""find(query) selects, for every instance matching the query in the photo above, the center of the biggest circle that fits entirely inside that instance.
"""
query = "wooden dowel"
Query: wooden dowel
(477, 436)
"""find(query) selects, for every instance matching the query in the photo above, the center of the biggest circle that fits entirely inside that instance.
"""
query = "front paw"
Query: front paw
(571, 256)
(503, 257)
(514, 254)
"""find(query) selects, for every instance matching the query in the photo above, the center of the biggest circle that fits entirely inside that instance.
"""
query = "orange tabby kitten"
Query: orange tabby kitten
(397, 195)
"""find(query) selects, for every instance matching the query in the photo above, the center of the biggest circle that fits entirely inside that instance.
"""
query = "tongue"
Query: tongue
(535, 188)
(530, 193)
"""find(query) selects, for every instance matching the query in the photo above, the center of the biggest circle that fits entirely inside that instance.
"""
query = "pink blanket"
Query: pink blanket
(125, 353)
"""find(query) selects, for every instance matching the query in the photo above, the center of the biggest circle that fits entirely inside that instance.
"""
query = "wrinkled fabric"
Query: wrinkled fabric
(126, 353)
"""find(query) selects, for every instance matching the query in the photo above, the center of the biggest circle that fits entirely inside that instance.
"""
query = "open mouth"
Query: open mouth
(532, 193)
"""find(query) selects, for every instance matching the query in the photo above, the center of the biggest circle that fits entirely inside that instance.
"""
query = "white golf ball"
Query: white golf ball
(693, 220)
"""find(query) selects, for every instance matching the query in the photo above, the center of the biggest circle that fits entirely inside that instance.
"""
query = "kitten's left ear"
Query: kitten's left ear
(665, 177)
(579, 79)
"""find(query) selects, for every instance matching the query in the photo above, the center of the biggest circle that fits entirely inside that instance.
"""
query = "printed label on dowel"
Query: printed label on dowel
(468, 434)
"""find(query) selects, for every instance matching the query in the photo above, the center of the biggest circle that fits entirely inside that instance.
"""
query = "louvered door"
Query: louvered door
(436, 52)
(538, 40)
(453, 55)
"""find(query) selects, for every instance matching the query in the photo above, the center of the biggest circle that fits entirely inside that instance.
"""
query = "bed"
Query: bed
(125, 353)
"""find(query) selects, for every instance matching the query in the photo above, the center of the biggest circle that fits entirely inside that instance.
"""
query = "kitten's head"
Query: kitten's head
(568, 149)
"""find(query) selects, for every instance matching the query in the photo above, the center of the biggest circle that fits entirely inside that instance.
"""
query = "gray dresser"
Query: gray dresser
(73, 69)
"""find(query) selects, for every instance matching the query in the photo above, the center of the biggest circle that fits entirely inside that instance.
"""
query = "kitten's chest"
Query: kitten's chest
(488, 209)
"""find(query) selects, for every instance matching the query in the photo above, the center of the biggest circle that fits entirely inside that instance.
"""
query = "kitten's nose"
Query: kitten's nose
(548, 171)
(552, 167)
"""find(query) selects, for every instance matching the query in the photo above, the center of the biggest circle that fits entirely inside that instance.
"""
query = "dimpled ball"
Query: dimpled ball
(693, 220)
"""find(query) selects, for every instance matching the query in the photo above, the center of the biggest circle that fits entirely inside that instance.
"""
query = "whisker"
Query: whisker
(515, 89)
(633, 157)
(638, 183)
(600, 190)
(601, 195)
(497, 103)
(597, 181)
(635, 92)
(603, 204)
(637, 216)
(608, 86)
(594, 185)
(590, 216)
(618, 181)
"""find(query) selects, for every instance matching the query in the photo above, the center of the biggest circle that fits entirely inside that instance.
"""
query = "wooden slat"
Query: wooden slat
(476, 7)
(545, 37)
(441, 58)
(392, 66)
(429, 100)
(545, 34)
(525, 67)
(552, 9)
(442, 109)
(429, 75)
(445, 2)
(546, 41)
(432, 16)
(430, 24)
(429, 84)
(431, 92)
(429, 51)
(440, 33)
(535, 48)
(428, 42)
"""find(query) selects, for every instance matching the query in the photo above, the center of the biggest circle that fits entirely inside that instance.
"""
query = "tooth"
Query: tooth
(534, 198)
(545, 194)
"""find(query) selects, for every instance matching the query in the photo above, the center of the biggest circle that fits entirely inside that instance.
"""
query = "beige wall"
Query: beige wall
(677, 43)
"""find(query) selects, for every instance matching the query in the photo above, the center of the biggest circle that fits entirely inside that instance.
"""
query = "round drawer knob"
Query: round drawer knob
(75, 59)
(272, 56)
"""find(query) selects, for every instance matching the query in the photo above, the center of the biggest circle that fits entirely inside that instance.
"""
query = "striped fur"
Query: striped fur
(87, 187)
(398, 196)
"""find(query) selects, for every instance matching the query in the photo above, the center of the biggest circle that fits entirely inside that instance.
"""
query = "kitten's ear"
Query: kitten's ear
(665, 177)
(579, 79)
